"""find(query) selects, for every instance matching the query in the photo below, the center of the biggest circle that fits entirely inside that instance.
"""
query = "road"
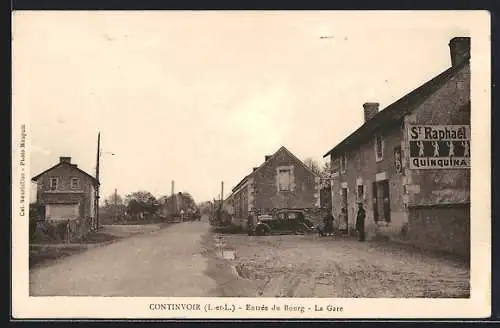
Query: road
(165, 263)
(309, 266)
(185, 260)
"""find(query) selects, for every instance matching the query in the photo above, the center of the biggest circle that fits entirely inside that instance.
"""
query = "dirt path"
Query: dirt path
(167, 262)
(308, 266)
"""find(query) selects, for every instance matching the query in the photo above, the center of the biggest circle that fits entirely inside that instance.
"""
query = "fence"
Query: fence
(60, 231)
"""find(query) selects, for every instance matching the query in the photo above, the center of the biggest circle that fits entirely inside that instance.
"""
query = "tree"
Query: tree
(140, 196)
(141, 202)
(327, 169)
(188, 201)
(113, 200)
(323, 171)
(113, 209)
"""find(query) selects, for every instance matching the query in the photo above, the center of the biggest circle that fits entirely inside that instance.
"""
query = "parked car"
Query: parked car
(282, 222)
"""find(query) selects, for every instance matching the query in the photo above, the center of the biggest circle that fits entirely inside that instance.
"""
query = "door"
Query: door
(375, 202)
(386, 200)
(344, 205)
(383, 203)
(280, 223)
(292, 221)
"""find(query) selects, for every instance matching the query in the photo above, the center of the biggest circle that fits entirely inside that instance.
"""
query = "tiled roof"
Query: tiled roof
(282, 148)
(35, 178)
(394, 113)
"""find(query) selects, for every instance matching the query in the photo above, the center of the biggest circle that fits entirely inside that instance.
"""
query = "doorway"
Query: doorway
(344, 205)
(381, 201)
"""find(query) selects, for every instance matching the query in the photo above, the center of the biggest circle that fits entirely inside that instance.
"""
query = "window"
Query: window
(343, 163)
(334, 167)
(361, 193)
(53, 183)
(284, 179)
(292, 216)
(359, 159)
(75, 183)
(379, 148)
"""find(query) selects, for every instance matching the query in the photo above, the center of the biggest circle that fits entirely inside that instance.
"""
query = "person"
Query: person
(329, 220)
(250, 224)
(360, 222)
(343, 220)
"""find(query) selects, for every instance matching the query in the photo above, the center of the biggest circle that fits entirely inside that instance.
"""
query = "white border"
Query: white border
(478, 306)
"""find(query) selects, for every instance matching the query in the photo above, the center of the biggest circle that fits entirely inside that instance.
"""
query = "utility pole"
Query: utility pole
(98, 182)
(116, 205)
(172, 200)
(221, 192)
(221, 200)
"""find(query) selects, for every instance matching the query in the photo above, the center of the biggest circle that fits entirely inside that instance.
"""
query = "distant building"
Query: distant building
(409, 163)
(281, 181)
(66, 192)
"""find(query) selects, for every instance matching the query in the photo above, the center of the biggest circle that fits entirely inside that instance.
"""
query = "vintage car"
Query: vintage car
(282, 222)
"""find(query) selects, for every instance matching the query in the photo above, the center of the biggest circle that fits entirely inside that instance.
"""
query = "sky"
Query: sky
(202, 97)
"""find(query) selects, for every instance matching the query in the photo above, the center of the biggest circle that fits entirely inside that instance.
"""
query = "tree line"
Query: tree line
(143, 204)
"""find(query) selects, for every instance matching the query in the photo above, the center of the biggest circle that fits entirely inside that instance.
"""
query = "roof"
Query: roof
(394, 113)
(94, 180)
(282, 148)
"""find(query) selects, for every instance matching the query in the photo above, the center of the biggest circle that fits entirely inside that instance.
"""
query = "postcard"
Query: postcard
(251, 164)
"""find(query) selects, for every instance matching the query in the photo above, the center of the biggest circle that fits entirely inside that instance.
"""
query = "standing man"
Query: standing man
(250, 223)
(329, 220)
(360, 222)
(343, 225)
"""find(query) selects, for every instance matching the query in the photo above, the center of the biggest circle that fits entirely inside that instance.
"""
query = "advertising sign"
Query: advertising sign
(439, 146)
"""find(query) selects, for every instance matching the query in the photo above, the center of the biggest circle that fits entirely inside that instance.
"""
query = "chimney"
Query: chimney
(63, 159)
(255, 168)
(267, 157)
(370, 109)
(459, 50)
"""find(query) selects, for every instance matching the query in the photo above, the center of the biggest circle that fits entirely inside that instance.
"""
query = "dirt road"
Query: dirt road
(309, 266)
(185, 259)
(167, 262)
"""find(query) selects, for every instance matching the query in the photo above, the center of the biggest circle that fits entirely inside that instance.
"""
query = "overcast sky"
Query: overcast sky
(202, 97)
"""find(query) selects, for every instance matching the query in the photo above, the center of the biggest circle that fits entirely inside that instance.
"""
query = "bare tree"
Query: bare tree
(313, 165)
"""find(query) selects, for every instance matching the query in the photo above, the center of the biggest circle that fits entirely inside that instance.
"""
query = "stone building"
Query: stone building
(409, 163)
(281, 181)
(66, 192)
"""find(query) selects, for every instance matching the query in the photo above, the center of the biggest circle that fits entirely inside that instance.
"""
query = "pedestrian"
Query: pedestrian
(343, 220)
(329, 219)
(250, 224)
(360, 222)
(326, 227)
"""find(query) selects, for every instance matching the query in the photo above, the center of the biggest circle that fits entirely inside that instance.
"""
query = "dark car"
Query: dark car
(282, 222)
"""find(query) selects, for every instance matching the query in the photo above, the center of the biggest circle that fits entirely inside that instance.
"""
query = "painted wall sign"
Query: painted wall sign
(439, 146)
(398, 165)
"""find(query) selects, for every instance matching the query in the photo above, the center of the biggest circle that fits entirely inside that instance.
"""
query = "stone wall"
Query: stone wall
(304, 191)
(445, 229)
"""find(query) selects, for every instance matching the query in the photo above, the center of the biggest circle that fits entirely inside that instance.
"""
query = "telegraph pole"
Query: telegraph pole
(116, 205)
(221, 192)
(172, 200)
(98, 182)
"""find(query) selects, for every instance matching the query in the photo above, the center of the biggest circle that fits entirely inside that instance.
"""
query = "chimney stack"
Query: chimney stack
(255, 168)
(267, 157)
(459, 50)
(370, 109)
(64, 159)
